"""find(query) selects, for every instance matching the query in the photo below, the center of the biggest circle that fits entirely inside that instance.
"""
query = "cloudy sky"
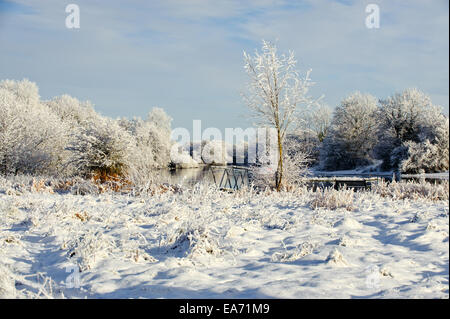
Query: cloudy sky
(186, 56)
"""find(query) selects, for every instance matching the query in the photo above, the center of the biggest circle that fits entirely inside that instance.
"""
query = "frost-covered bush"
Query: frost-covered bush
(73, 112)
(294, 168)
(413, 133)
(151, 141)
(76, 116)
(295, 164)
(22, 184)
(66, 137)
(161, 136)
(296, 161)
(101, 146)
(330, 198)
(352, 134)
(413, 190)
(430, 155)
(7, 283)
(293, 254)
(336, 258)
(196, 242)
(31, 136)
(90, 248)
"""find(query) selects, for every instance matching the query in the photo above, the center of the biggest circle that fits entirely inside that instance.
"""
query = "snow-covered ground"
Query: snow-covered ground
(210, 244)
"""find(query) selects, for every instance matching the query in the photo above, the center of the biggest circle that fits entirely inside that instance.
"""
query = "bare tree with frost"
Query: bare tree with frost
(275, 94)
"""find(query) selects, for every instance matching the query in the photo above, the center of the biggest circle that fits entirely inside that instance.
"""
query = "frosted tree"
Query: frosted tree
(276, 92)
(430, 154)
(353, 133)
(407, 120)
(160, 132)
(313, 128)
(30, 134)
(296, 160)
(151, 142)
(12, 129)
(76, 116)
(71, 111)
(316, 121)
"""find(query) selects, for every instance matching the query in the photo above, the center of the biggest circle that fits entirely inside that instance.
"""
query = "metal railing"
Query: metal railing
(232, 177)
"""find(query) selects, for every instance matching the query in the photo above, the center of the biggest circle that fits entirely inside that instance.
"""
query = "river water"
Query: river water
(223, 176)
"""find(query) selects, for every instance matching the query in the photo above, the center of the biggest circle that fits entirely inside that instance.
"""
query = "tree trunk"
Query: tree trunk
(279, 177)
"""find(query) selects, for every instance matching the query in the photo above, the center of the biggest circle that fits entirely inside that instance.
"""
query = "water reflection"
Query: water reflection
(225, 176)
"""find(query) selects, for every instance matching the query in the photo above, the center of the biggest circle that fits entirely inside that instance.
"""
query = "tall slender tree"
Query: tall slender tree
(275, 93)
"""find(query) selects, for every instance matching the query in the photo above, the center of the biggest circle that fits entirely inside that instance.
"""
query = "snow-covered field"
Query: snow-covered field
(204, 243)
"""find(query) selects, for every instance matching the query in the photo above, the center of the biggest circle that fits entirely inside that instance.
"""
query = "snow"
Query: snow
(362, 173)
(443, 175)
(203, 243)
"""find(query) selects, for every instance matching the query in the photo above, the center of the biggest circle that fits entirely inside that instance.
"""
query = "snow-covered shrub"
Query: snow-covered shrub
(90, 248)
(352, 134)
(7, 283)
(71, 111)
(330, 198)
(293, 254)
(193, 242)
(336, 258)
(151, 142)
(161, 136)
(66, 137)
(429, 155)
(411, 130)
(21, 184)
(142, 153)
(295, 163)
(133, 247)
(79, 186)
(31, 136)
(413, 190)
(101, 146)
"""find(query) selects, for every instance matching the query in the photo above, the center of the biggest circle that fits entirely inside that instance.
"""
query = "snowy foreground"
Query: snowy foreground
(211, 244)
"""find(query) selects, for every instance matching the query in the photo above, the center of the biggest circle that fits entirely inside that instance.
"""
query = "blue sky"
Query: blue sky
(186, 56)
